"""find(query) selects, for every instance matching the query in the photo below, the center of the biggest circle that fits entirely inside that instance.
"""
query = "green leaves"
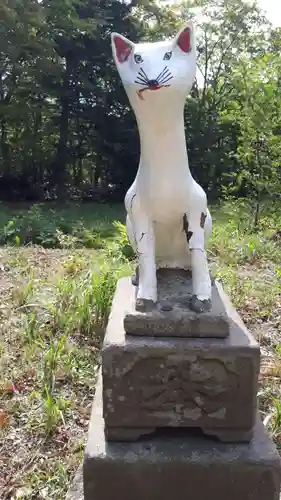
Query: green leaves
(66, 129)
(258, 119)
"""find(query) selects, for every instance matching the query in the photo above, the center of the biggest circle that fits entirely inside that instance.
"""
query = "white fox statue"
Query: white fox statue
(167, 214)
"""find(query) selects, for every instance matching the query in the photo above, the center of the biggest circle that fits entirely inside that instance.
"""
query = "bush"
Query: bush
(49, 229)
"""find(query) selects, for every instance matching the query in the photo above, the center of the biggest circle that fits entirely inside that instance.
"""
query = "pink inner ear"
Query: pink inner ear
(184, 40)
(123, 49)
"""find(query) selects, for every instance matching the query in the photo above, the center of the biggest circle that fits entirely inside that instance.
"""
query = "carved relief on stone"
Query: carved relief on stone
(173, 389)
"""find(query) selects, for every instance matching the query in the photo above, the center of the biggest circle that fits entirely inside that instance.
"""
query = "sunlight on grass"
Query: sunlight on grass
(58, 307)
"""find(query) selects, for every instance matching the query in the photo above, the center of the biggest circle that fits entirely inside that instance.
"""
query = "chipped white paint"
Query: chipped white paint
(166, 208)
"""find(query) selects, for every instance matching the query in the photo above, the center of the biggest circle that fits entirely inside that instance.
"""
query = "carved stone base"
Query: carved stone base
(129, 434)
(173, 315)
(178, 465)
(231, 435)
(179, 382)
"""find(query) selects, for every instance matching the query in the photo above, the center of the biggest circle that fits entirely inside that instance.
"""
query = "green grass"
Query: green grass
(54, 308)
(53, 226)
(247, 261)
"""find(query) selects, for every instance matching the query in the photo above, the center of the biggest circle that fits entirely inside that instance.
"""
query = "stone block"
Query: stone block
(179, 466)
(76, 490)
(172, 317)
(178, 382)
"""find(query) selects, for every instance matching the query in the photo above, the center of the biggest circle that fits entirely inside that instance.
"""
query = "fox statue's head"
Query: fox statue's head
(155, 71)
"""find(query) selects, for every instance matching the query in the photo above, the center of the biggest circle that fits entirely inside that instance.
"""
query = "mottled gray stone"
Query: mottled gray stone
(179, 466)
(179, 382)
(172, 316)
(76, 491)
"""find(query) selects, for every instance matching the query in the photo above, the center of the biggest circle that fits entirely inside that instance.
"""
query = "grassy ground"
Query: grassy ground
(53, 310)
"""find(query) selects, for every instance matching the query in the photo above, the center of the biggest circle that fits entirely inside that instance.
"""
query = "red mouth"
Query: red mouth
(153, 88)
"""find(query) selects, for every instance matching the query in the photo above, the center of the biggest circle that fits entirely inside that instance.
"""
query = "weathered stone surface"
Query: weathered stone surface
(179, 382)
(179, 466)
(76, 491)
(172, 315)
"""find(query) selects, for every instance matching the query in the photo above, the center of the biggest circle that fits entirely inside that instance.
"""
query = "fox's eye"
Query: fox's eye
(138, 58)
(167, 56)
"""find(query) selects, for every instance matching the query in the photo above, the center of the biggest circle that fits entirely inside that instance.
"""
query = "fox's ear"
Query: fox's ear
(185, 39)
(121, 48)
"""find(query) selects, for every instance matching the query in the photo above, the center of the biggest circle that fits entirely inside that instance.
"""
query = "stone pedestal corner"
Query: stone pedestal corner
(178, 382)
(190, 466)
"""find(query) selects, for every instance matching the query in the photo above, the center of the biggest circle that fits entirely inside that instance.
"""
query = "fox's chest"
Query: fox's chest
(166, 198)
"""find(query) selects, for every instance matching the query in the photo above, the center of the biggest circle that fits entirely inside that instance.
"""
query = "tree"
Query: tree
(227, 31)
(67, 129)
(22, 46)
(56, 83)
(256, 111)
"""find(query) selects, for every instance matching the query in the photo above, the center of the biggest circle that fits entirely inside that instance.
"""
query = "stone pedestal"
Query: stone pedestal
(172, 317)
(178, 382)
(174, 388)
(178, 465)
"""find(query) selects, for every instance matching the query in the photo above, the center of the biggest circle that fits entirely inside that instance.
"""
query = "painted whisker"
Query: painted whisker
(144, 73)
(141, 83)
(166, 80)
(165, 74)
(141, 79)
(161, 73)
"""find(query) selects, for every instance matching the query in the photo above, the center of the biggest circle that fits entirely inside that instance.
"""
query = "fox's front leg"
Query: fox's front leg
(143, 235)
(194, 225)
(147, 282)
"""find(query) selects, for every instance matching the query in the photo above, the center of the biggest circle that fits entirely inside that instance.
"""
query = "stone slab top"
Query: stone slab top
(172, 315)
(239, 337)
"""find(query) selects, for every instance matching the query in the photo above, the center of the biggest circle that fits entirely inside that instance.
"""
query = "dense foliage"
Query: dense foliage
(66, 129)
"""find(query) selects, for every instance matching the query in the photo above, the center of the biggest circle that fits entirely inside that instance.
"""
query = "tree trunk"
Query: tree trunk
(38, 169)
(257, 212)
(5, 152)
(61, 159)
